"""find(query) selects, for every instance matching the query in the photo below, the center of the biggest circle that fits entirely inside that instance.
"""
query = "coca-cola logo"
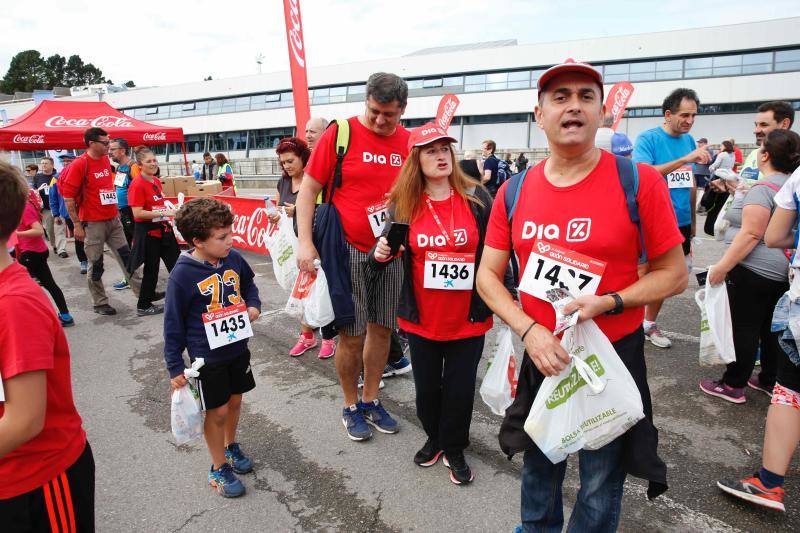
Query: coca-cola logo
(158, 136)
(446, 111)
(296, 34)
(251, 230)
(620, 100)
(103, 121)
(28, 139)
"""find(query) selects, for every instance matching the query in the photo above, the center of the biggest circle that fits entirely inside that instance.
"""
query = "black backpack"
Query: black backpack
(503, 171)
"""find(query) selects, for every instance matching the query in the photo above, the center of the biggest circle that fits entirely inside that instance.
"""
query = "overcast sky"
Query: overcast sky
(175, 41)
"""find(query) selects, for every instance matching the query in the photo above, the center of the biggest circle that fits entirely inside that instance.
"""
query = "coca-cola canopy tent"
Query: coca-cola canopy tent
(55, 124)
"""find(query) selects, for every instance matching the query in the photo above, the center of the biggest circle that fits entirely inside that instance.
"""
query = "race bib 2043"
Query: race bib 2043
(681, 178)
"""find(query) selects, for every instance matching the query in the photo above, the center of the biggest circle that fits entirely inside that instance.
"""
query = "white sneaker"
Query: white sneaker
(361, 382)
(656, 337)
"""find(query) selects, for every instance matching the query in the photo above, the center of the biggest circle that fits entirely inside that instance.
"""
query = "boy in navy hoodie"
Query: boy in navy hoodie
(211, 301)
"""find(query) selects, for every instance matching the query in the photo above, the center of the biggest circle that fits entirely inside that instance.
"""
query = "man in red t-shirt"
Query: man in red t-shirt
(91, 199)
(571, 223)
(378, 145)
(45, 462)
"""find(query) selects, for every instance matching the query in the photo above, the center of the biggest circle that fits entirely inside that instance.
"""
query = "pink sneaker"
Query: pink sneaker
(328, 348)
(303, 345)
(720, 390)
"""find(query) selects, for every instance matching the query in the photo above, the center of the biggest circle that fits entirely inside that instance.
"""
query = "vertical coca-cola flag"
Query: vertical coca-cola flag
(446, 111)
(617, 100)
(297, 63)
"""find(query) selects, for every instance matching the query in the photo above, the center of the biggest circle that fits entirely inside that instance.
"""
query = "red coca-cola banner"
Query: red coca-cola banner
(297, 63)
(447, 110)
(250, 221)
(617, 100)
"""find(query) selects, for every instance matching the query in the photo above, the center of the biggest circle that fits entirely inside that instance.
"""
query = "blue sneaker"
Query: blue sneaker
(353, 420)
(225, 481)
(403, 366)
(84, 267)
(121, 285)
(66, 320)
(376, 415)
(237, 459)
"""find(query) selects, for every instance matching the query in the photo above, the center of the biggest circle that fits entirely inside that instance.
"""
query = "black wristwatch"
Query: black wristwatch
(618, 304)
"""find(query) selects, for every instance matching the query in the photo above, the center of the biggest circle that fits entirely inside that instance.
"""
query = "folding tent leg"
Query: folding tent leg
(185, 161)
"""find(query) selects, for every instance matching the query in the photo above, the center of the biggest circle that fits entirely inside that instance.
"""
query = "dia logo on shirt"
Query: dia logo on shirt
(395, 160)
(98, 175)
(578, 230)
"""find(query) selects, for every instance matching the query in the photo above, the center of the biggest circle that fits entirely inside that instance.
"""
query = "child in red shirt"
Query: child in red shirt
(32, 252)
(45, 462)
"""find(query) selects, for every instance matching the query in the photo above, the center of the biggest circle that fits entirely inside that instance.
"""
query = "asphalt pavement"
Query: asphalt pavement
(310, 477)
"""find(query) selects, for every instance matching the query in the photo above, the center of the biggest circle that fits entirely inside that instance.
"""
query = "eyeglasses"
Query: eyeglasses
(104, 143)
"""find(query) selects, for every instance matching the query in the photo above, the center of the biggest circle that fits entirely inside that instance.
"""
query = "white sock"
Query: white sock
(648, 324)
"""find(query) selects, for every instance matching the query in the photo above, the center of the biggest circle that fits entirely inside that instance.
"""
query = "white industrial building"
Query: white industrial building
(733, 69)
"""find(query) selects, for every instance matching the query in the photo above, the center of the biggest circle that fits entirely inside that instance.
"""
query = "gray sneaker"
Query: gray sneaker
(656, 337)
(150, 311)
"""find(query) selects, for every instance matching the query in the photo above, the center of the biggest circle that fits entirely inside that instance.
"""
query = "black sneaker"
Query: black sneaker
(159, 295)
(460, 473)
(150, 311)
(428, 454)
(105, 309)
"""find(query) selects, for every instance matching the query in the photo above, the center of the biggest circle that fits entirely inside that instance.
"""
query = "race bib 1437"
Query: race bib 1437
(551, 266)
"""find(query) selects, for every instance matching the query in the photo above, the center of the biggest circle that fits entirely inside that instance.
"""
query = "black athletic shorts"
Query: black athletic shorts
(218, 381)
(65, 503)
(788, 373)
(686, 231)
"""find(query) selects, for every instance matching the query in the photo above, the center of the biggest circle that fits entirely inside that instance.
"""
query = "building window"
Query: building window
(243, 103)
(320, 96)
(757, 63)
(496, 119)
(356, 90)
(519, 80)
(194, 143)
(214, 107)
(475, 83)
(452, 81)
(431, 83)
(698, 67)
(236, 140)
(727, 65)
(338, 94)
(787, 60)
(619, 72)
(216, 142)
(268, 138)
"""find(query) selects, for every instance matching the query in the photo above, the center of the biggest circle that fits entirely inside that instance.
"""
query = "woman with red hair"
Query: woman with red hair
(293, 154)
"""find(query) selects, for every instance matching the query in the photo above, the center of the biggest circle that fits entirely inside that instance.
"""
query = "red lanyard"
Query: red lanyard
(436, 216)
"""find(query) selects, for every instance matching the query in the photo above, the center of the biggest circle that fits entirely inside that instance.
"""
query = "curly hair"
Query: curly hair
(198, 217)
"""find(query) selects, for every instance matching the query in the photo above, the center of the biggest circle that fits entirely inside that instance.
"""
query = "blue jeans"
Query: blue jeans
(597, 508)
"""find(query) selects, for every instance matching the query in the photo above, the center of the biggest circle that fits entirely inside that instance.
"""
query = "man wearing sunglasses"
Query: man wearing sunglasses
(91, 200)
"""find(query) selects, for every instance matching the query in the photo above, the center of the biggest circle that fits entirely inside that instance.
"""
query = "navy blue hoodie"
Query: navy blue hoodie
(185, 305)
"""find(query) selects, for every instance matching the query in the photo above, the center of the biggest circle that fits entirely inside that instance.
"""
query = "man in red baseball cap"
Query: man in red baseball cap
(575, 204)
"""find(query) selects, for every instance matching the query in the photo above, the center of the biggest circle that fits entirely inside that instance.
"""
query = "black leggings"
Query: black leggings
(36, 263)
(156, 249)
(752, 298)
(78, 244)
(444, 376)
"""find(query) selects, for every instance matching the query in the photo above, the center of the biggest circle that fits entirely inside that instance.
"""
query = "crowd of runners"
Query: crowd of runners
(422, 255)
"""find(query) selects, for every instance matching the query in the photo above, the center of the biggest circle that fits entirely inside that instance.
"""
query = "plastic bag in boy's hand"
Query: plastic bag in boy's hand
(499, 386)
(187, 418)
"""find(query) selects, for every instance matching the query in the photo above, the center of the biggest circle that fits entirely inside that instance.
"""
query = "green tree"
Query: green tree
(26, 72)
(54, 68)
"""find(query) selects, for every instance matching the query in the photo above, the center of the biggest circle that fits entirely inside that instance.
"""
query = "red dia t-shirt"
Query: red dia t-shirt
(62, 439)
(591, 218)
(369, 171)
(30, 244)
(149, 196)
(443, 312)
(98, 199)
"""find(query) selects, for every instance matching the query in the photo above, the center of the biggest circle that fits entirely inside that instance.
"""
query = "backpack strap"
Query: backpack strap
(767, 184)
(629, 179)
(341, 147)
(512, 192)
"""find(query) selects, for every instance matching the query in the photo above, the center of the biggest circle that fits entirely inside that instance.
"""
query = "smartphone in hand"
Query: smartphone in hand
(398, 232)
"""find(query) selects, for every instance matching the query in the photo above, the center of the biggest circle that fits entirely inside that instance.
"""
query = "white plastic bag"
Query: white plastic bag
(317, 306)
(716, 326)
(499, 386)
(303, 282)
(590, 403)
(187, 418)
(281, 243)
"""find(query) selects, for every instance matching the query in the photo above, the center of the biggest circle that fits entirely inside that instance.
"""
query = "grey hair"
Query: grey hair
(385, 88)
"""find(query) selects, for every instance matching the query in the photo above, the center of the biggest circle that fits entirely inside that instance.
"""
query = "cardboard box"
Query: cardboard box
(178, 184)
(169, 188)
(206, 188)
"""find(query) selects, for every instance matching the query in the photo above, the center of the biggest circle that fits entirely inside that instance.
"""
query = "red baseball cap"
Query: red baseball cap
(426, 134)
(570, 65)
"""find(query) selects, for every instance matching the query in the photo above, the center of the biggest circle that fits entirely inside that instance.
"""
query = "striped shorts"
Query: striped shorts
(376, 298)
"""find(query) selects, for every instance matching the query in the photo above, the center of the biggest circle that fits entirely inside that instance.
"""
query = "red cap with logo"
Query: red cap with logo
(570, 65)
(426, 134)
